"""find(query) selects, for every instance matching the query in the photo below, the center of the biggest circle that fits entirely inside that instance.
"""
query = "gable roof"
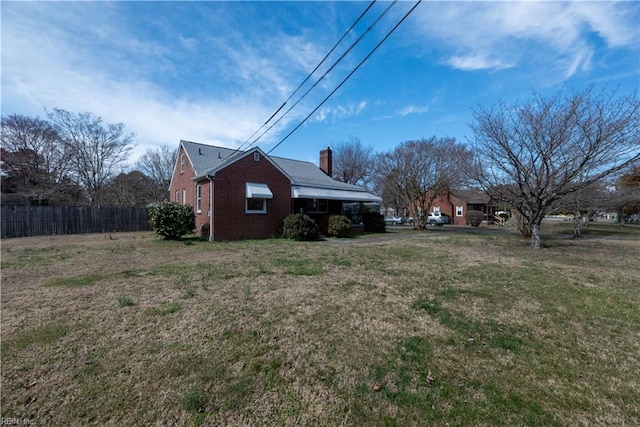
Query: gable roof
(207, 159)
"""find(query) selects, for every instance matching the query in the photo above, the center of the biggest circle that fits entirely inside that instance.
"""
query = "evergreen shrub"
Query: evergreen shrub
(300, 227)
(172, 220)
(339, 226)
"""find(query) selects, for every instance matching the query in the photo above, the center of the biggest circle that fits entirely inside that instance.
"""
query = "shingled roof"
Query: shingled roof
(207, 158)
(472, 196)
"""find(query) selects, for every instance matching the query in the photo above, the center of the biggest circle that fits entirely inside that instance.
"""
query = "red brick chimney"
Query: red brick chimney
(326, 161)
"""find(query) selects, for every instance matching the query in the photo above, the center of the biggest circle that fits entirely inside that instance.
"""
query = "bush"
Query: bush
(374, 222)
(172, 220)
(339, 226)
(300, 227)
(474, 218)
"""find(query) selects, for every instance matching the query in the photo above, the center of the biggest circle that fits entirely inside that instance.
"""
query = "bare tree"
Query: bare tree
(133, 189)
(158, 165)
(534, 154)
(96, 149)
(353, 162)
(419, 171)
(624, 195)
(584, 203)
(35, 159)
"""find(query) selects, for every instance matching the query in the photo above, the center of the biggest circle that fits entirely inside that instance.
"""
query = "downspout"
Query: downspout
(210, 208)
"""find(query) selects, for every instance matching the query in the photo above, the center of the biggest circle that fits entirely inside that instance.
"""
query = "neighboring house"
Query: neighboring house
(247, 194)
(456, 203)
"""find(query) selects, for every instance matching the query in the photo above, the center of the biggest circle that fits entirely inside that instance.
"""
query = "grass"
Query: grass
(443, 327)
(125, 301)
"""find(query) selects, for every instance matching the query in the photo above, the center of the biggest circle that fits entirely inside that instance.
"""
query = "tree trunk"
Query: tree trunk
(620, 212)
(523, 225)
(535, 235)
(577, 224)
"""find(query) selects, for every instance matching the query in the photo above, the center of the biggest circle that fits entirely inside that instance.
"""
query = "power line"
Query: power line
(328, 71)
(306, 79)
(348, 76)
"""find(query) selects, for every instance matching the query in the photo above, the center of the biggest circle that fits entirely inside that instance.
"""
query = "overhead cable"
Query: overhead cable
(308, 76)
(348, 76)
(328, 71)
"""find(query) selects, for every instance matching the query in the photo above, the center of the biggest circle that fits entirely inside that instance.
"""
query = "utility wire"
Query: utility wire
(307, 78)
(328, 71)
(348, 76)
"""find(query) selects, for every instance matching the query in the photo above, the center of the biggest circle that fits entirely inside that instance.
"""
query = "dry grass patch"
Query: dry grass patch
(437, 327)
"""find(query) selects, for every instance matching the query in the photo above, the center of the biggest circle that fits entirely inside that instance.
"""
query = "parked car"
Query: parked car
(392, 220)
(438, 218)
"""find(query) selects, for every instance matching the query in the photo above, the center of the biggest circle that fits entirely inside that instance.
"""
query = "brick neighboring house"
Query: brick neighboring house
(456, 203)
(247, 194)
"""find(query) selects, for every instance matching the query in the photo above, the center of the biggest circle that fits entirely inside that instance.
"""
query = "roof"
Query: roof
(310, 175)
(472, 196)
(207, 159)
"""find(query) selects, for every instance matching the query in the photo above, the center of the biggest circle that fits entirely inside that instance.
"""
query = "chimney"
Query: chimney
(326, 161)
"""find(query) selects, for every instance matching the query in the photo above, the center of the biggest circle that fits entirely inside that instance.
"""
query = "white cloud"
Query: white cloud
(71, 62)
(405, 111)
(339, 112)
(412, 109)
(477, 62)
(498, 35)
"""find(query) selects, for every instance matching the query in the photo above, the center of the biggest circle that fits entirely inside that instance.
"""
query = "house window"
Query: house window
(182, 163)
(256, 198)
(256, 206)
(459, 211)
(177, 199)
(184, 196)
(199, 198)
(436, 209)
(317, 205)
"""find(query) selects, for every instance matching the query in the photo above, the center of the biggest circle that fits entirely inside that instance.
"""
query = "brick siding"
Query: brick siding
(230, 222)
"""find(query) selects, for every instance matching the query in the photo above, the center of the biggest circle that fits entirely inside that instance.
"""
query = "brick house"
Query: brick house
(247, 194)
(456, 203)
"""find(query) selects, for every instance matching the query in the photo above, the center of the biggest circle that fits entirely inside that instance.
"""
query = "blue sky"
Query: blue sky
(214, 72)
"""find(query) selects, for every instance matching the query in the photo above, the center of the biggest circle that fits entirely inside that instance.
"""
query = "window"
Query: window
(256, 197)
(436, 209)
(184, 196)
(256, 206)
(177, 199)
(459, 211)
(199, 198)
(317, 205)
(182, 163)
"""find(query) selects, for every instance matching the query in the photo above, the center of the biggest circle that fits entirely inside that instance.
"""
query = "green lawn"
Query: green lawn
(440, 327)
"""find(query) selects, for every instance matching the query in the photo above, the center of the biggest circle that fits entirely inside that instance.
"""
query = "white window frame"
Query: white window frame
(262, 192)
(436, 209)
(199, 198)
(255, 211)
(182, 163)
(184, 196)
(459, 210)
(177, 198)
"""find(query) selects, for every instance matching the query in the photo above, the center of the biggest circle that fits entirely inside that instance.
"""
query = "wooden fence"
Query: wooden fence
(22, 221)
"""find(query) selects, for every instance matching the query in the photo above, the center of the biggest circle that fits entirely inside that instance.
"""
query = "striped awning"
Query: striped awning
(301, 192)
(258, 191)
